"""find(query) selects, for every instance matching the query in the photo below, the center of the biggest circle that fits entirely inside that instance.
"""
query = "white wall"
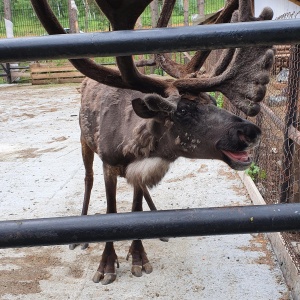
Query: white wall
(279, 7)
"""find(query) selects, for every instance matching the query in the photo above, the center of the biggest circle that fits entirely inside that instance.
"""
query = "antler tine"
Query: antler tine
(225, 15)
(194, 65)
(241, 74)
(166, 63)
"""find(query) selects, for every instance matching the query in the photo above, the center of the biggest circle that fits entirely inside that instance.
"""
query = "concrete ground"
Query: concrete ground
(42, 176)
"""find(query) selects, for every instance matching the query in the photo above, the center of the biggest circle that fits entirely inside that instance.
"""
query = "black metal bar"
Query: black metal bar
(8, 73)
(126, 42)
(148, 225)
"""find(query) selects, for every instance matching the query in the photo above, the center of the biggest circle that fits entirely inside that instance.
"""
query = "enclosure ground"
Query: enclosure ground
(42, 176)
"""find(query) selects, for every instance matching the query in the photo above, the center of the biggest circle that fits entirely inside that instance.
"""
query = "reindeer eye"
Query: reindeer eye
(182, 111)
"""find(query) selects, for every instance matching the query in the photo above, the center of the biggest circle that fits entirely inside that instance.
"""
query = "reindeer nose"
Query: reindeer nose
(248, 132)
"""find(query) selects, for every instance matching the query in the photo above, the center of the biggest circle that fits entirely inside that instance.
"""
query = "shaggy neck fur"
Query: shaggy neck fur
(147, 171)
(142, 143)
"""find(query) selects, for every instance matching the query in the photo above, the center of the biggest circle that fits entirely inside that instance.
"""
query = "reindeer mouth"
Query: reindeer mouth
(238, 160)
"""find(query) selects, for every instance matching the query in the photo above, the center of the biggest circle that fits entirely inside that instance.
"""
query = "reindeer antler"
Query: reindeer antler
(241, 74)
(129, 77)
(177, 70)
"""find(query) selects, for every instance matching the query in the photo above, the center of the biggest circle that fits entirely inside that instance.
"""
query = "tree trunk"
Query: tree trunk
(185, 12)
(7, 10)
(139, 25)
(154, 19)
(73, 17)
(154, 12)
(86, 16)
(9, 33)
(201, 8)
(185, 20)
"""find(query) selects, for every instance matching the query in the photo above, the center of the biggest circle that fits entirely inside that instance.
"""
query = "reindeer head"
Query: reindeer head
(241, 74)
(195, 127)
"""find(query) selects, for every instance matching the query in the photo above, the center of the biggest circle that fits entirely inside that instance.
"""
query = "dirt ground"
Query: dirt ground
(42, 176)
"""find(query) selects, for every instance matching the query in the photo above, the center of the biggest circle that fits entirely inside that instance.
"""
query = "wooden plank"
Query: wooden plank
(50, 73)
(53, 74)
(295, 1)
(20, 74)
(45, 69)
(56, 81)
(57, 75)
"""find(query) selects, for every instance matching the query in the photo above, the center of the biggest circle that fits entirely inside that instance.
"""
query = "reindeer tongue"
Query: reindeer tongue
(240, 156)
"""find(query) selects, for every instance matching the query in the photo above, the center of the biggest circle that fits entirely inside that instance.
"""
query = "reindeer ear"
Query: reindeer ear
(152, 104)
(141, 109)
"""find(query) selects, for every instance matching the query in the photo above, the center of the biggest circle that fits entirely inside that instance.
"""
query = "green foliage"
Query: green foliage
(158, 72)
(20, 4)
(255, 172)
(219, 98)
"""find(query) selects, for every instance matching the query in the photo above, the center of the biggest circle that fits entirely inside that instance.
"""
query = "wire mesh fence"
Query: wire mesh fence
(276, 167)
(90, 17)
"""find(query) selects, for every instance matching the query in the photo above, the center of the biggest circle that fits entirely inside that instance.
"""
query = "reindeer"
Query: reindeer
(139, 125)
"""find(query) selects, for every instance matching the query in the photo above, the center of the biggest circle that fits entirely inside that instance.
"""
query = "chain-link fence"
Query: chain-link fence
(276, 169)
(90, 18)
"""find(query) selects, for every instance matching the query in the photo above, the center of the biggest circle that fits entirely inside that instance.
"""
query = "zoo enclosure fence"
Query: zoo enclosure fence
(276, 171)
(279, 121)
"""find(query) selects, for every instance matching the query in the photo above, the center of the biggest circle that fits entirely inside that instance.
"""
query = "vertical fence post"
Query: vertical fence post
(290, 120)
(73, 17)
(8, 73)
(9, 33)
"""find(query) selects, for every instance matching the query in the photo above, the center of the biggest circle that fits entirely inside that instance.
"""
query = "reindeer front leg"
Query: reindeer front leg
(88, 159)
(139, 256)
(106, 270)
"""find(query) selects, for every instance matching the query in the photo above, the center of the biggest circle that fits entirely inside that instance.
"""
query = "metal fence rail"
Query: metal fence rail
(161, 40)
(149, 225)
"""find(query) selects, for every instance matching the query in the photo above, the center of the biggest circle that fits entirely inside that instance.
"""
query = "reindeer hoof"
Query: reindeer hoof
(136, 270)
(106, 279)
(84, 246)
(73, 246)
(147, 267)
(109, 278)
(97, 277)
(164, 239)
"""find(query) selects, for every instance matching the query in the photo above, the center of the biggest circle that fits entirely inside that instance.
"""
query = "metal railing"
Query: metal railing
(159, 40)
